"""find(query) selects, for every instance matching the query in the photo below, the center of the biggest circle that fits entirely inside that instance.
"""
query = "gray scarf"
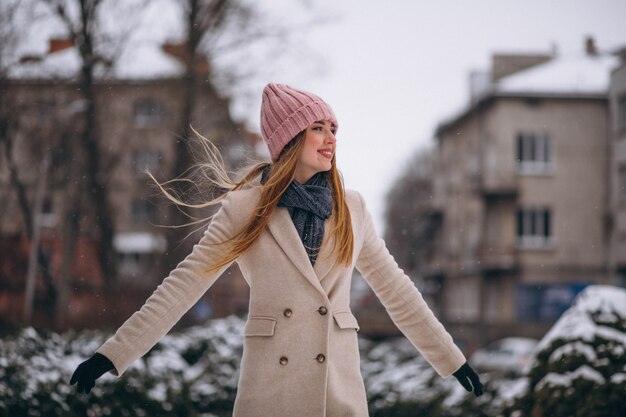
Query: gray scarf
(309, 204)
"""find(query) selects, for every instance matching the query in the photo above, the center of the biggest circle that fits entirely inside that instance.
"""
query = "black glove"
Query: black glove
(87, 372)
(468, 378)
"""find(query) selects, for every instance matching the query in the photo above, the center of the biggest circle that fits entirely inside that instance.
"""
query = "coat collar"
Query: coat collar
(282, 228)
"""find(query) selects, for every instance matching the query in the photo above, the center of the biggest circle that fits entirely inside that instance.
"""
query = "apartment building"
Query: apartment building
(617, 180)
(521, 183)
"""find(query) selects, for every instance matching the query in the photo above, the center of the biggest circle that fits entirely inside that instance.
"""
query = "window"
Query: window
(621, 111)
(534, 227)
(142, 211)
(46, 109)
(546, 301)
(534, 153)
(47, 218)
(146, 159)
(147, 113)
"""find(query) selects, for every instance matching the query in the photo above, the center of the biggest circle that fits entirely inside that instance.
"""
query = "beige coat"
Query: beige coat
(300, 355)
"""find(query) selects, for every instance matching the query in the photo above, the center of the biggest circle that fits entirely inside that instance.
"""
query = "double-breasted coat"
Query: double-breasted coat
(300, 355)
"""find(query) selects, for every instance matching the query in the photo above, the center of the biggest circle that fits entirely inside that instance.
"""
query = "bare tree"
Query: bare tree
(213, 29)
(62, 126)
(10, 125)
(98, 51)
(71, 135)
(43, 129)
(410, 224)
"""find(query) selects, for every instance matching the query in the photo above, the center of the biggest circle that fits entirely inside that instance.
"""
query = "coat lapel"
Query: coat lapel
(282, 228)
(325, 259)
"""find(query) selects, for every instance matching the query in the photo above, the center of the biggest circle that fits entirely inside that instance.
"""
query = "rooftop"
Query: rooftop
(580, 74)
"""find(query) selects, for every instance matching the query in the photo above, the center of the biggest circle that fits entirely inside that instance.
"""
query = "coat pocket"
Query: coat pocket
(345, 320)
(260, 326)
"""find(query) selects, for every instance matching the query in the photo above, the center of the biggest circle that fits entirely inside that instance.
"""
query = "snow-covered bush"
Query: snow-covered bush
(195, 372)
(400, 383)
(579, 367)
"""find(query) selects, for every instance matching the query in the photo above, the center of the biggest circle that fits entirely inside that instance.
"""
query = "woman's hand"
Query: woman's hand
(87, 372)
(469, 379)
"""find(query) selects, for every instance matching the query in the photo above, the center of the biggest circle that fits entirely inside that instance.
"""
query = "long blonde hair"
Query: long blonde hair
(281, 173)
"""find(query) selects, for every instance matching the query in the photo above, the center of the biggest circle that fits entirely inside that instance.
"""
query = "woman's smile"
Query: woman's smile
(326, 153)
(318, 150)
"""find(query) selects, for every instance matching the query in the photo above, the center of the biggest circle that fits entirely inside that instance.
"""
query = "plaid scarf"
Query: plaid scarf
(309, 204)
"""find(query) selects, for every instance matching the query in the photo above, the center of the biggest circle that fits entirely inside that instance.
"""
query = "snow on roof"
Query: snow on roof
(140, 54)
(569, 74)
(146, 61)
(61, 64)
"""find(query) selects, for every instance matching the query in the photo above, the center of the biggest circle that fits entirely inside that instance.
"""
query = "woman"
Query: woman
(297, 235)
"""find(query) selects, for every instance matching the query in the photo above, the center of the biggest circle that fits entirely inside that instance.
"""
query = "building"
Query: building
(617, 180)
(521, 183)
(138, 117)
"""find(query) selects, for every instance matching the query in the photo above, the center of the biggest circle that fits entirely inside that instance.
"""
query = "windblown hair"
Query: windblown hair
(280, 176)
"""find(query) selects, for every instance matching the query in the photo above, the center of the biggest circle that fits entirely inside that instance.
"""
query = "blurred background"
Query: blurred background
(488, 138)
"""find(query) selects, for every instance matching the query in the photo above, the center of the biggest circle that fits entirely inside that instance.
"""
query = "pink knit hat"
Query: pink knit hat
(286, 111)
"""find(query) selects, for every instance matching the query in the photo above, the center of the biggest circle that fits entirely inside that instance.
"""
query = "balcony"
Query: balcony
(499, 187)
(497, 259)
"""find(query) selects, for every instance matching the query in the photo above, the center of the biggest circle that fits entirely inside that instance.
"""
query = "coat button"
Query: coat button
(283, 360)
(287, 312)
(321, 358)
(322, 310)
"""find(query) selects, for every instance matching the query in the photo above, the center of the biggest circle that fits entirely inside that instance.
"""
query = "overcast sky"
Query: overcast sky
(393, 69)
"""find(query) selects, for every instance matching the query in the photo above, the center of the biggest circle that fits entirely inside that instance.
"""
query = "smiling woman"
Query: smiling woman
(297, 236)
(318, 150)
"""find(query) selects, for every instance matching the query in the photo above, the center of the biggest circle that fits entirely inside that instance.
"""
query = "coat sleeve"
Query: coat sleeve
(173, 297)
(404, 302)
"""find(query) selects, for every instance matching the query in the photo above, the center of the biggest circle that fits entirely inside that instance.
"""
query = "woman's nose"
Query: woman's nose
(330, 138)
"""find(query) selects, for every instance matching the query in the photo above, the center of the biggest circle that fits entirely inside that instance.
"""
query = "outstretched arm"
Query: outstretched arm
(404, 302)
(176, 294)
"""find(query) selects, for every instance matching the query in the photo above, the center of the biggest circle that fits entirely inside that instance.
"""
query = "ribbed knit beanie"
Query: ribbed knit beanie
(286, 111)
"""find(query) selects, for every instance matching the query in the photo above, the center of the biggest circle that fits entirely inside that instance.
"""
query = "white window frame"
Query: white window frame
(533, 224)
(142, 211)
(147, 113)
(536, 154)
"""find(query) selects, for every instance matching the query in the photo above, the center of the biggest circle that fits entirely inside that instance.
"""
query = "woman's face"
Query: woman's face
(318, 150)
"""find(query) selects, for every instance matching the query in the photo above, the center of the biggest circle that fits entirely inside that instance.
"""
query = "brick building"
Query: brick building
(137, 122)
